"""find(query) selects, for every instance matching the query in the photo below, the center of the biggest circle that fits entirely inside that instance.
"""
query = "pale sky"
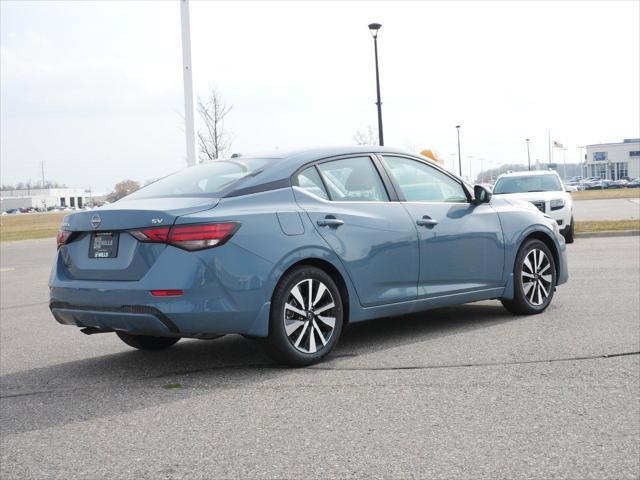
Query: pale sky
(95, 89)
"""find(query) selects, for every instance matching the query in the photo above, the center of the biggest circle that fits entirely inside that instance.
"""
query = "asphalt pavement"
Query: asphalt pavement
(607, 209)
(466, 392)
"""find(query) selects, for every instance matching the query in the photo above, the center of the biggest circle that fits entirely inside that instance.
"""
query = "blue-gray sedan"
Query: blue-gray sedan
(293, 247)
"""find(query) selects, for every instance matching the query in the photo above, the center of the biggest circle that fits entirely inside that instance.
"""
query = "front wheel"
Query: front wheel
(306, 317)
(147, 342)
(534, 279)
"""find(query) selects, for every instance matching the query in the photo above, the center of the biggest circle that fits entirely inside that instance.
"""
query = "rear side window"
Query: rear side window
(204, 180)
(353, 180)
(310, 181)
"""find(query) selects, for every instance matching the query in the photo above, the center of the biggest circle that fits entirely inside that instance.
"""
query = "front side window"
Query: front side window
(422, 183)
(353, 180)
(528, 183)
(309, 180)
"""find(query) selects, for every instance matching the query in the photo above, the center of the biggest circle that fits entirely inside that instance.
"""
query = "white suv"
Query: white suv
(545, 190)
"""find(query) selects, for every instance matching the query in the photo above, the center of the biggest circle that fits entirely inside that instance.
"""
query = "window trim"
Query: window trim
(438, 168)
(378, 168)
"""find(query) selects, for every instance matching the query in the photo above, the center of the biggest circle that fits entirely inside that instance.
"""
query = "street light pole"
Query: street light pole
(528, 154)
(459, 157)
(374, 27)
(188, 84)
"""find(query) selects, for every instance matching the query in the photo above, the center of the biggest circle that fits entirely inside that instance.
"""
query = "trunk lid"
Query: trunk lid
(129, 214)
(132, 259)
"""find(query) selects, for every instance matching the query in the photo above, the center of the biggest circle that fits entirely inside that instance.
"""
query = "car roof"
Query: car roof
(285, 163)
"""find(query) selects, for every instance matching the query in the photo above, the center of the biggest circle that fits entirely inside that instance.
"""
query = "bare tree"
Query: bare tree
(213, 141)
(122, 189)
(366, 137)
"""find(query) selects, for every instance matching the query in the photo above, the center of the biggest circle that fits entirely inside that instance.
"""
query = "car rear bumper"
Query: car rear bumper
(132, 319)
(178, 319)
(223, 291)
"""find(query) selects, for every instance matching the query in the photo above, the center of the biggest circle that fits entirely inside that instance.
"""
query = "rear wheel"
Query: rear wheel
(147, 342)
(534, 278)
(306, 317)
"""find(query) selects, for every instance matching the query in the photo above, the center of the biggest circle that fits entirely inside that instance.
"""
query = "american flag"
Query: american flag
(557, 144)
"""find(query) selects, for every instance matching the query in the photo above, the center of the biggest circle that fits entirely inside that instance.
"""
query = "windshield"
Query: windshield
(204, 180)
(528, 183)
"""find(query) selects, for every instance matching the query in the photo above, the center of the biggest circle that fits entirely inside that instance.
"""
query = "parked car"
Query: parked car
(617, 184)
(293, 247)
(545, 190)
(635, 183)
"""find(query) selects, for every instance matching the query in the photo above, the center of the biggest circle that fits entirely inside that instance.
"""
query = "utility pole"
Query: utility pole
(528, 154)
(188, 84)
(42, 167)
(459, 157)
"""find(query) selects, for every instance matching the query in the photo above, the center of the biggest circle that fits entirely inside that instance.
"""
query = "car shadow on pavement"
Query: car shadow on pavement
(123, 382)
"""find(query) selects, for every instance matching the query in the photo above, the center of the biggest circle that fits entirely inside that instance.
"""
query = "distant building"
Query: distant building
(614, 160)
(43, 198)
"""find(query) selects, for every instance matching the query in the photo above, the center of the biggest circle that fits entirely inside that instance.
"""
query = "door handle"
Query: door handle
(426, 221)
(330, 222)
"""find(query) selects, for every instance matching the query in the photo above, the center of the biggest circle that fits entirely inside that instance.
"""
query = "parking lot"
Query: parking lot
(463, 392)
(609, 209)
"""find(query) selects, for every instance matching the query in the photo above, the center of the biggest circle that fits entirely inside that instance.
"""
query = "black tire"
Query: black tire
(147, 342)
(309, 339)
(568, 233)
(526, 299)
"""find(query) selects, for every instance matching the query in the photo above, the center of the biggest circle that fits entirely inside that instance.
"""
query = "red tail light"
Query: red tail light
(62, 237)
(189, 237)
(166, 293)
(152, 235)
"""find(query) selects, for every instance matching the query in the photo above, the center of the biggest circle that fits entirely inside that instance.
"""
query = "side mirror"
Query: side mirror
(481, 194)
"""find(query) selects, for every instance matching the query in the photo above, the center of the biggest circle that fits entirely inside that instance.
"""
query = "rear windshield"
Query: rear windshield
(528, 183)
(204, 180)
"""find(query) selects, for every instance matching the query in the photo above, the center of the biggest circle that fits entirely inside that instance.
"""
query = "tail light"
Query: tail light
(62, 237)
(189, 237)
(167, 293)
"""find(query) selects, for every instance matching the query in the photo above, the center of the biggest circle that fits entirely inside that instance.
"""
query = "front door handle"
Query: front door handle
(426, 221)
(330, 222)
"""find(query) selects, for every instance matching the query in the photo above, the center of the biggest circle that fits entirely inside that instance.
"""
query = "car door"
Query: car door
(461, 244)
(350, 207)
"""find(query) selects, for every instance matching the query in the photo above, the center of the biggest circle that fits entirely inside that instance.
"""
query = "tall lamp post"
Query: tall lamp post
(188, 83)
(528, 154)
(459, 157)
(374, 27)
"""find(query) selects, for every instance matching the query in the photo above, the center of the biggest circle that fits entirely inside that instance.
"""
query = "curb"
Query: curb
(610, 233)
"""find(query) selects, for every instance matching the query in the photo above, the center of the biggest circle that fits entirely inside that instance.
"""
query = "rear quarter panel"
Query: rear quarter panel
(275, 234)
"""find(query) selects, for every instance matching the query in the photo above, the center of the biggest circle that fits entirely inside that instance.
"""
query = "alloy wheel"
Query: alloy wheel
(309, 317)
(537, 277)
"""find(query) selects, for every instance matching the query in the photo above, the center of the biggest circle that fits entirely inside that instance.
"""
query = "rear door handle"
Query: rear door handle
(426, 221)
(330, 222)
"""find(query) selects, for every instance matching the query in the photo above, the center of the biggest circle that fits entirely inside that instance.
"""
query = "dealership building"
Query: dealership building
(614, 160)
(42, 198)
